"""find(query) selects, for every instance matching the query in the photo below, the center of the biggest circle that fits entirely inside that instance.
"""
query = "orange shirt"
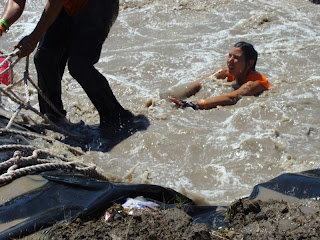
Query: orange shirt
(253, 76)
(73, 7)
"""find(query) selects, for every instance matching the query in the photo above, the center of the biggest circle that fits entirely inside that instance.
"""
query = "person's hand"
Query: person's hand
(26, 46)
(176, 101)
(183, 103)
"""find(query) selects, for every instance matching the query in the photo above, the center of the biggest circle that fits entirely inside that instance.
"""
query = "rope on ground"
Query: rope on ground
(18, 158)
(19, 165)
(26, 105)
(4, 131)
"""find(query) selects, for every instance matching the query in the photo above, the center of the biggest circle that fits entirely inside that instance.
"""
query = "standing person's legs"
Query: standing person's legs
(50, 61)
(90, 29)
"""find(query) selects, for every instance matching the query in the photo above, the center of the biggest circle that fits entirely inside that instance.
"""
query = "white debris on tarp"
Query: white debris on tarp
(135, 207)
(139, 203)
(107, 216)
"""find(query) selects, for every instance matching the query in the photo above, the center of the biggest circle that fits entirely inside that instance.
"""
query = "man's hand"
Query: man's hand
(26, 46)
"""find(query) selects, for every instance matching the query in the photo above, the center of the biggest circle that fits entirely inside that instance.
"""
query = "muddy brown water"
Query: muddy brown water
(212, 156)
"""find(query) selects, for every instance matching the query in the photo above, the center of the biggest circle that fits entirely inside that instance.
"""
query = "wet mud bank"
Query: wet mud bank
(246, 219)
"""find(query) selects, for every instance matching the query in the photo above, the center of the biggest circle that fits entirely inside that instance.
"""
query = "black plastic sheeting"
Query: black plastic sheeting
(299, 185)
(66, 196)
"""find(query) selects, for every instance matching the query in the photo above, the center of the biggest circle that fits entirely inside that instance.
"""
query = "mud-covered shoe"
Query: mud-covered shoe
(125, 117)
(110, 126)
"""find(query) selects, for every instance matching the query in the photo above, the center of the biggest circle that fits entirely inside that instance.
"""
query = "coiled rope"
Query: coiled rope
(18, 165)
(40, 160)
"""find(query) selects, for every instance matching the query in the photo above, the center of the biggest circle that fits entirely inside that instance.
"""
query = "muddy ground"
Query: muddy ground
(247, 219)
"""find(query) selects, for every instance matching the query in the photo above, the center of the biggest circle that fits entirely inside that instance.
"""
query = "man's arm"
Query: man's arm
(50, 13)
(13, 11)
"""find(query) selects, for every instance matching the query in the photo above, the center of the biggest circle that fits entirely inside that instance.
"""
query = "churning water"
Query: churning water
(212, 156)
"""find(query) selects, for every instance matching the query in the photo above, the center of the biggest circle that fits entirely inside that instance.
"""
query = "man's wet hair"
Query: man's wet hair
(249, 52)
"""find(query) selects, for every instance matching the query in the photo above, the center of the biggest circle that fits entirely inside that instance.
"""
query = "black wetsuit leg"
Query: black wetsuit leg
(79, 41)
(90, 29)
(50, 61)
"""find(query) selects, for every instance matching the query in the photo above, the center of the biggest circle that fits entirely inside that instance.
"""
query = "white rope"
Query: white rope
(26, 104)
(8, 59)
(19, 165)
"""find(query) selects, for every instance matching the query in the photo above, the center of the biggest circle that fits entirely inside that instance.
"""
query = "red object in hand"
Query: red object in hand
(5, 78)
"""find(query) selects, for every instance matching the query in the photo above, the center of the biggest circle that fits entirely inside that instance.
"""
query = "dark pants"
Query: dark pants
(78, 41)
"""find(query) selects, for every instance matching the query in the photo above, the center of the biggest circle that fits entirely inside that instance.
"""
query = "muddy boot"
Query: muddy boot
(116, 123)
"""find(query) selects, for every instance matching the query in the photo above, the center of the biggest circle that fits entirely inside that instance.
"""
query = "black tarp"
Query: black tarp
(298, 185)
(66, 196)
